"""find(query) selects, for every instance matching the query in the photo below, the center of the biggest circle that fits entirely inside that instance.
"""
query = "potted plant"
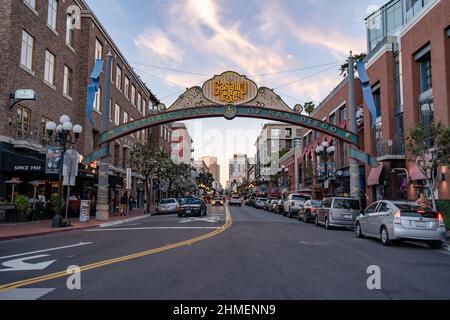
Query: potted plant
(23, 207)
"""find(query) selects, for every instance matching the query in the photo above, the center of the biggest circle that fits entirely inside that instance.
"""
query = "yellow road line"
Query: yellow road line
(27, 282)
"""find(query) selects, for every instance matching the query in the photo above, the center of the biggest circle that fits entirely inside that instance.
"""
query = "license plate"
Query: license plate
(421, 224)
(346, 216)
(188, 211)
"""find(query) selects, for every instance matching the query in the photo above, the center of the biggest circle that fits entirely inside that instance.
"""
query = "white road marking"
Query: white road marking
(21, 265)
(109, 224)
(153, 228)
(208, 219)
(25, 294)
(46, 250)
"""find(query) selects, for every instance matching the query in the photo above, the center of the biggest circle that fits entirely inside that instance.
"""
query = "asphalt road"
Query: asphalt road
(259, 256)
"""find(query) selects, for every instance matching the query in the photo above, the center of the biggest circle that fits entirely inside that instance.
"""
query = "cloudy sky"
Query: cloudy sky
(176, 44)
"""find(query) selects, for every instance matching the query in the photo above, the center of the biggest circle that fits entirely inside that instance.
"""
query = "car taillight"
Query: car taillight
(313, 209)
(397, 217)
(441, 220)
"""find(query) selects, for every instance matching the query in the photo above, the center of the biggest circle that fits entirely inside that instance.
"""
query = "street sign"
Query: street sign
(70, 168)
(25, 94)
(52, 160)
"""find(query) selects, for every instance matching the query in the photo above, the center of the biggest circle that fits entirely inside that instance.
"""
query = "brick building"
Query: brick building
(38, 51)
(408, 64)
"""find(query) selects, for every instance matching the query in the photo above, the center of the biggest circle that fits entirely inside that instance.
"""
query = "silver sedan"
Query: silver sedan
(401, 220)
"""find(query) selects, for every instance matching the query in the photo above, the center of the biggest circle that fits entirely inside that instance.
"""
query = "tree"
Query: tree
(205, 179)
(175, 173)
(429, 147)
(309, 107)
(344, 68)
(148, 160)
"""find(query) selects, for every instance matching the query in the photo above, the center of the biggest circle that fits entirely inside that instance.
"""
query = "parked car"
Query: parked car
(251, 201)
(338, 212)
(401, 220)
(192, 206)
(309, 210)
(260, 202)
(268, 204)
(294, 203)
(280, 206)
(274, 205)
(235, 201)
(217, 201)
(167, 206)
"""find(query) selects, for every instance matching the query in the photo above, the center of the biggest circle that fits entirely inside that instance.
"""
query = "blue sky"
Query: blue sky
(253, 37)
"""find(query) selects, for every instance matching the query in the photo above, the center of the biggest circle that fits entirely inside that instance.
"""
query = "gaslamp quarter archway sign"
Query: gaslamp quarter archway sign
(228, 95)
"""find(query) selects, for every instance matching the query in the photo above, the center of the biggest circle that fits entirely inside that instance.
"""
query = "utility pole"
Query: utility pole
(354, 165)
(102, 194)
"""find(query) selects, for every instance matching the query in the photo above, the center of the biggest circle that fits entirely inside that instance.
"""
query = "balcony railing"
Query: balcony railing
(30, 134)
(390, 149)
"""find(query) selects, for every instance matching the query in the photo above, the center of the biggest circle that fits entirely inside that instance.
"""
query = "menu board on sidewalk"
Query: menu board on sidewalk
(85, 208)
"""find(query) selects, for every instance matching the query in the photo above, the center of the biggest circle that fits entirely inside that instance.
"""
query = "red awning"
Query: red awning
(374, 176)
(416, 174)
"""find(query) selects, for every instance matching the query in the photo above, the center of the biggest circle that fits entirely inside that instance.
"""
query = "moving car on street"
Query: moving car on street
(294, 203)
(401, 220)
(217, 201)
(338, 212)
(260, 202)
(167, 206)
(309, 210)
(192, 206)
(235, 201)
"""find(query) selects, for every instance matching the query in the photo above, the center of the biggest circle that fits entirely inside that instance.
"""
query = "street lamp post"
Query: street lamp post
(325, 152)
(283, 171)
(63, 137)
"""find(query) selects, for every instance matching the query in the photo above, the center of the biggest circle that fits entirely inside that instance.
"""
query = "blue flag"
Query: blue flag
(93, 88)
(367, 91)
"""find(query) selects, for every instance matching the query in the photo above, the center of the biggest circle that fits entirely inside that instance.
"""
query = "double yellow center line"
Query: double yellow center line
(27, 282)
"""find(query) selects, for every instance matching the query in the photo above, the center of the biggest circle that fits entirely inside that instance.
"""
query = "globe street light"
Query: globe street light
(325, 153)
(63, 137)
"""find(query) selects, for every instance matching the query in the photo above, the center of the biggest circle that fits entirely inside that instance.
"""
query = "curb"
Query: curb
(60, 230)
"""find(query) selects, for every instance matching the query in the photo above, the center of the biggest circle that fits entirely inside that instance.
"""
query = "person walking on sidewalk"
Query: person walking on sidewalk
(124, 205)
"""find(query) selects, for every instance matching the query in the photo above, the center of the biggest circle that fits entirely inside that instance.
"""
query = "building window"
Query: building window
(23, 121)
(343, 114)
(288, 133)
(126, 90)
(98, 50)
(399, 127)
(117, 115)
(49, 75)
(125, 117)
(69, 32)
(139, 100)
(144, 107)
(98, 100)
(31, 3)
(52, 13)
(68, 81)
(298, 133)
(425, 73)
(427, 113)
(375, 29)
(26, 59)
(333, 119)
(119, 78)
(377, 98)
(44, 133)
(397, 84)
(394, 17)
(133, 95)
(276, 133)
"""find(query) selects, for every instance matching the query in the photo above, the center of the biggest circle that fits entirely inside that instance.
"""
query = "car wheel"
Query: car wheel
(384, 235)
(358, 231)
(317, 221)
(435, 244)
(180, 215)
(327, 223)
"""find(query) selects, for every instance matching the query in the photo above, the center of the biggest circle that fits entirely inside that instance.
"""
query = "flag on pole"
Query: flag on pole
(93, 88)
(367, 90)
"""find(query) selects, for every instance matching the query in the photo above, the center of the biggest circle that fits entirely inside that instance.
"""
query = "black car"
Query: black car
(192, 207)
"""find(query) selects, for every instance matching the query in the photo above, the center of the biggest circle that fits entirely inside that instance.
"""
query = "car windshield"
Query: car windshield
(316, 203)
(300, 197)
(346, 204)
(192, 201)
(236, 197)
(167, 201)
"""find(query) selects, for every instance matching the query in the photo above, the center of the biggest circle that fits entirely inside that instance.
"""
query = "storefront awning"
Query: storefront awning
(374, 176)
(416, 174)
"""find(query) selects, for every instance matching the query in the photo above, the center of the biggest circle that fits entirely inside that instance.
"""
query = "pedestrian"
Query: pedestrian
(423, 200)
(114, 204)
(124, 204)
(131, 202)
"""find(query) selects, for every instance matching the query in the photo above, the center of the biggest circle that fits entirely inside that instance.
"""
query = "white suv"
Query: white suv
(235, 201)
(294, 203)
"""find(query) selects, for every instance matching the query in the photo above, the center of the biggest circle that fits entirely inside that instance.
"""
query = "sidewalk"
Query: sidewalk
(29, 229)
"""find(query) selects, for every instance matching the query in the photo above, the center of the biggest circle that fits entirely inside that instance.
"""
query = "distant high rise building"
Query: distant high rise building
(214, 167)
(238, 169)
(181, 144)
